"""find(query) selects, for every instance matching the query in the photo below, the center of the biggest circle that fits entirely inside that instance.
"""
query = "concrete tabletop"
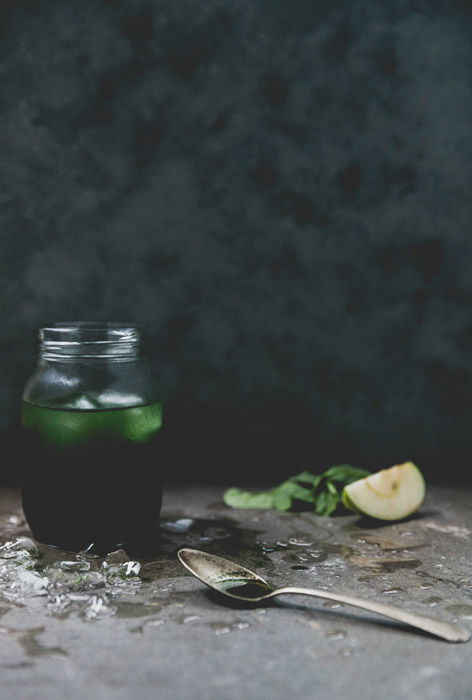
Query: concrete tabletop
(151, 630)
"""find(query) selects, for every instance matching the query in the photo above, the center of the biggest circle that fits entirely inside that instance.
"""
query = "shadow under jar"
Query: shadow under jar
(91, 416)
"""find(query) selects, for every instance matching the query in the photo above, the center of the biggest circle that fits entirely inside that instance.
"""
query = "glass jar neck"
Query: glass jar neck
(89, 340)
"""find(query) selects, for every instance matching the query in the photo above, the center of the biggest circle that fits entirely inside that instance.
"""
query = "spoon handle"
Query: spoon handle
(445, 630)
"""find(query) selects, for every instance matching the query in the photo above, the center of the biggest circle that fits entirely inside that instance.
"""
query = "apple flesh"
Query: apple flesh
(390, 494)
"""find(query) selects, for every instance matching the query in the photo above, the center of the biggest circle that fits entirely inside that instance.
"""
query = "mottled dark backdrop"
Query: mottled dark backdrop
(280, 190)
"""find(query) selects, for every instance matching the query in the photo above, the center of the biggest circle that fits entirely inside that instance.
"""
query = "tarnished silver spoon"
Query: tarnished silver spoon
(241, 584)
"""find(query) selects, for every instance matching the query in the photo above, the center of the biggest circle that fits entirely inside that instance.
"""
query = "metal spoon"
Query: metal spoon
(237, 582)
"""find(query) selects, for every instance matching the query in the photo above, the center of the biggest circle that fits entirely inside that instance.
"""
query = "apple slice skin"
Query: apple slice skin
(391, 494)
(346, 501)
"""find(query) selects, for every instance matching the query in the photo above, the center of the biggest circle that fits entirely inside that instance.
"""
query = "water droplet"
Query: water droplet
(433, 600)
(345, 652)
(392, 590)
(318, 554)
(268, 547)
(190, 618)
(154, 623)
(331, 604)
(299, 542)
(221, 629)
(388, 542)
(464, 611)
(217, 533)
(335, 634)
(242, 625)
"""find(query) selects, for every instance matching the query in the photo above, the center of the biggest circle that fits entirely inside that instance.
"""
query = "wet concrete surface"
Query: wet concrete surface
(86, 626)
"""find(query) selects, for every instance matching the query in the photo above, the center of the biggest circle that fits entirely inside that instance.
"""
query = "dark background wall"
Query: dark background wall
(280, 190)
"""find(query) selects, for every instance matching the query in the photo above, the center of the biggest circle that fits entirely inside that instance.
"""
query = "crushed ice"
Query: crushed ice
(84, 585)
(12, 549)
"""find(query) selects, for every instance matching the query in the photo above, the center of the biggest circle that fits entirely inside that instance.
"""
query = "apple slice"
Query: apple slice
(390, 494)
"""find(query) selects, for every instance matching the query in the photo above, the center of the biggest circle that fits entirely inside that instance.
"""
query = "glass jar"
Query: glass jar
(91, 416)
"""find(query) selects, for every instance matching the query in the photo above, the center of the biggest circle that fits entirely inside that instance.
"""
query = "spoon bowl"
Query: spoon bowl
(224, 576)
(239, 583)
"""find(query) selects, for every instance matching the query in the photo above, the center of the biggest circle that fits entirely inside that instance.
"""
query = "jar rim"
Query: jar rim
(79, 337)
(67, 326)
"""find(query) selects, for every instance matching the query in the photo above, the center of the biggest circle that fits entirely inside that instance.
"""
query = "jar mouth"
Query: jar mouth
(89, 338)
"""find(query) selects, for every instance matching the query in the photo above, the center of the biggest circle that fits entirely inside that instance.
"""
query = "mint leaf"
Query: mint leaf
(331, 488)
(237, 498)
(345, 473)
(307, 478)
(323, 491)
(326, 503)
(294, 490)
(282, 501)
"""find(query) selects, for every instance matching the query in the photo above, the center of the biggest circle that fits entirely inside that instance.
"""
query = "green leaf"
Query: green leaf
(294, 490)
(307, 478)
(326, 503)
(345, 473)
(331, 488)
(282, 501)
(237, 498)
(324, 491)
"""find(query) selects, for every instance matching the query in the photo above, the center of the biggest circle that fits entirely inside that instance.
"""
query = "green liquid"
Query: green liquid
(93, 476)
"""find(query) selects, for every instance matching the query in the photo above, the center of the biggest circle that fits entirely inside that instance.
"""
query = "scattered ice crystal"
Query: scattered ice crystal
(31, 582)
(58, 603)
(75, 566)
(117, 557)
(181, 525)
(10, 550)
(98, 609)
(128, 570)
(65, 580)
(132, 568)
